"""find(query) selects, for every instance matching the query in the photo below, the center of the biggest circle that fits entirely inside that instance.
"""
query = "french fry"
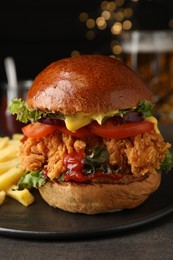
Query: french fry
(17, 136)
(9, 152)
(15, 143)
(23, 196)
(4, 142)
(9, 178)
(2, 196)
(7, 165)
(9, 171)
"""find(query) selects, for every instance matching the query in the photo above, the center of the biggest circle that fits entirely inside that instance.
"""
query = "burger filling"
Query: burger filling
(117, 147)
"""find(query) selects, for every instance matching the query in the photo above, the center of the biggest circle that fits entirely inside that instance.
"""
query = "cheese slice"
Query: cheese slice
(155, 122)
(76, 121)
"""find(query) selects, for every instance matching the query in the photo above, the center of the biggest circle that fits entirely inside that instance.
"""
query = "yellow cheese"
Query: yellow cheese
(76, 121)
(155, 122)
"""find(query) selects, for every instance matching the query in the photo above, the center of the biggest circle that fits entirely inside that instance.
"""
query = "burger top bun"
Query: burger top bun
(86, 83)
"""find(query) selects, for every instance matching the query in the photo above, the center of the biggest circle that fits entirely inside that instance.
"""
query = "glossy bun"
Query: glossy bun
(86, 83)
(98, 198)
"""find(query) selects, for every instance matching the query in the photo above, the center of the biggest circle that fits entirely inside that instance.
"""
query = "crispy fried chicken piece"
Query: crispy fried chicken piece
(147, 153)
(138, 156)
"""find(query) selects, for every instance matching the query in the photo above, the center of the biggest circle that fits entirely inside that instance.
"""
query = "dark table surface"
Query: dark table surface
(151, 241)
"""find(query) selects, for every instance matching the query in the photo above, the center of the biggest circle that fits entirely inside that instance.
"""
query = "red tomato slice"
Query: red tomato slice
(109, 130)
(106, 130)
(38, 130)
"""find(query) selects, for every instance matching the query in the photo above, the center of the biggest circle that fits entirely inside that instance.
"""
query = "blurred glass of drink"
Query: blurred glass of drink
(8, 123)
(150, 54)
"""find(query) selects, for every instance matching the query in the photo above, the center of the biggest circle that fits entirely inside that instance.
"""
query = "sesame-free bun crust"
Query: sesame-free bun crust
(86, 83)
(98, 198)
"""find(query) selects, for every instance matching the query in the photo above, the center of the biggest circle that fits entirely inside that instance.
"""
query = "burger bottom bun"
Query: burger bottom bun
(97, 198)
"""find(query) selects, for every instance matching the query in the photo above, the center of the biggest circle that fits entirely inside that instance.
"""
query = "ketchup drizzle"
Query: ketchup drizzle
(73, 162)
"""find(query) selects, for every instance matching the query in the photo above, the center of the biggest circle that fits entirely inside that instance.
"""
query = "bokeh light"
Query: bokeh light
(113, 17)
(117, 49)
(106, 15)
(127, 25)
(90, 35)
(171, 23)
(101, 23)
(116, 28)
(128, 12)
(119, 16)
(75, 53)
(83, 17)
(119, 2)
(90, 23)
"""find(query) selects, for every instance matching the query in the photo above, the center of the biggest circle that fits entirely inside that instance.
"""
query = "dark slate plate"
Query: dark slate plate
(40, 221)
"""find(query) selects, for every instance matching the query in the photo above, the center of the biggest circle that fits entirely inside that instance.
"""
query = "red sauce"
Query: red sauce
(73, 162)
(77, 176)
(23, 139)
(80, 177)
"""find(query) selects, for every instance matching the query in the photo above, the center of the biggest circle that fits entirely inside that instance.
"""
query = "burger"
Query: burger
(91, 144)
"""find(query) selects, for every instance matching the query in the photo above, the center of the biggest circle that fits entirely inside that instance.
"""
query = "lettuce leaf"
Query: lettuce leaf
(96, 160)
(30, 180)
(145, 107)
(24, 114)
(167, 163)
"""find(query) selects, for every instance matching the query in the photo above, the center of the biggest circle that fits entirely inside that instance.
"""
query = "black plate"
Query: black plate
(44, 222)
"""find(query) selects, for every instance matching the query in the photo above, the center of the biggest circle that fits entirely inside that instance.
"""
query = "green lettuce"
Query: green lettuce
(145, 107)
(167, 163)
(30, 180)
(96, 160)
(19, 108)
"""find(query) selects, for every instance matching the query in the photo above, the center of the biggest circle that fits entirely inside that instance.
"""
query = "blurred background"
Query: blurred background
(38, 32)
(140, 32)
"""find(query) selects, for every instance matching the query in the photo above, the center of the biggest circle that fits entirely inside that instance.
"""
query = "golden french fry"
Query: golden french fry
(9, 152)
(7, 165)
(9, 171)
(2, 196)
(15, 143)
(23, 196)
(10, 177)
(4, 142)
(17, 136)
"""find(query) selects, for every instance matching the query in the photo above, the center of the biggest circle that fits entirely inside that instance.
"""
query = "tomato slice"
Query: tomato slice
(38, 130)
(110, 130)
